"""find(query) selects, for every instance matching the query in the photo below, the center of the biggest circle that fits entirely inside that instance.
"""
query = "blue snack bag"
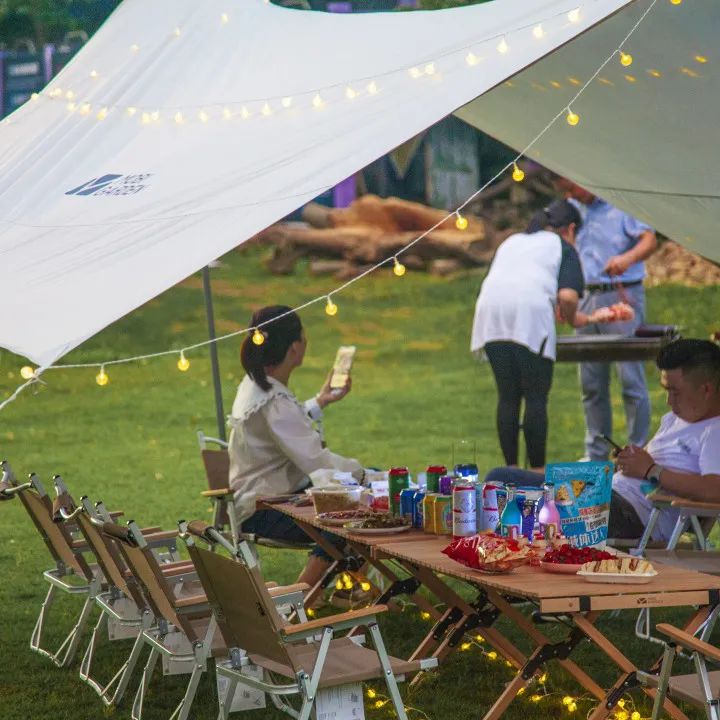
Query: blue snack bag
(582, 496)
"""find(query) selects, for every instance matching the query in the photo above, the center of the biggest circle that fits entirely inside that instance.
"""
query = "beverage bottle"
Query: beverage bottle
(511, 518)
(548, 515)
(464, 512)
(433, 474)
(398, 480)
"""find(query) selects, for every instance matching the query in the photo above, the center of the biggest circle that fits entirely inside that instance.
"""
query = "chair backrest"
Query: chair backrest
(217, 472)
(245, 613)
(56, 536)
(144, 567)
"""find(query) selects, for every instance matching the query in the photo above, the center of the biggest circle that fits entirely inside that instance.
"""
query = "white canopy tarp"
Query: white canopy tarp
(182, 129)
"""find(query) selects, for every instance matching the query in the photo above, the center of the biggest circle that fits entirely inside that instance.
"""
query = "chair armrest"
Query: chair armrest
(220, 492)
(287, 589)
(346, 618)
(177, 568)
(191, 600)
(661, 498)
(162, 535)
(690, 642)
(686, 504)
(150, 530)
(115, 514)
(80, 544)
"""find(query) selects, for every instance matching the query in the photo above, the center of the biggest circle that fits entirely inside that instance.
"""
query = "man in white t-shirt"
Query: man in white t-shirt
(683, 458)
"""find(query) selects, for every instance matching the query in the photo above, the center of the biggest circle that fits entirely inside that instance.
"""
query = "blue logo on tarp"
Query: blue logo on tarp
(112, 184)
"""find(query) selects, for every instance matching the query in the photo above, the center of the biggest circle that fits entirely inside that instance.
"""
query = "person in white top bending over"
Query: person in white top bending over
(273, 445)
(683, 457)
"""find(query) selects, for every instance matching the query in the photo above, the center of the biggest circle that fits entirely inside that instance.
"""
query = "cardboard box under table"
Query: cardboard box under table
(569, 595)
(362, 546)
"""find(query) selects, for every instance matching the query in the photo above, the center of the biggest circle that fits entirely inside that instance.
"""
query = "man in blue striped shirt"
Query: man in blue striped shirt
(612, 247)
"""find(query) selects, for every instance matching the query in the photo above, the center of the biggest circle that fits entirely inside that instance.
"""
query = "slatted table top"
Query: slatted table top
(672, 586)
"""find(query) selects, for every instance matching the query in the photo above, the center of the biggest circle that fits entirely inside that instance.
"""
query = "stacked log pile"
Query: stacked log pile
(673, 263)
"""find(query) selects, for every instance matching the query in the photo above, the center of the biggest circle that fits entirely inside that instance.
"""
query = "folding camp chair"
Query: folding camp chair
(190, 615)
(701, 688)
(250, 623)
(69, 565)
(217, 472)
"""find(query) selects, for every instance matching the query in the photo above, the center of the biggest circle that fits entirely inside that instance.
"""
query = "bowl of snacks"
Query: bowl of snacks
(336, 498)
(378, 524)
(341, 517)
(568, 559)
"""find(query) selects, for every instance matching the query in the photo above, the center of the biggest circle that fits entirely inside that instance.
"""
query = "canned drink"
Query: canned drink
(464, 509)
(446, 484)
(468, 471)
(418, 509)
(442, 515)
(406, 503)
(490, 517)
(527, 508)
(502, 495)
(433, 475)
(429, 512)
(398, 480)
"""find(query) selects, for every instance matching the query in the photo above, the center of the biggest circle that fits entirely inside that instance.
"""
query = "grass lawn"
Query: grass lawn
(132, 444)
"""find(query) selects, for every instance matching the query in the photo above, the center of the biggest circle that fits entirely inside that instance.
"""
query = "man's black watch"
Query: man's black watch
(653, 474)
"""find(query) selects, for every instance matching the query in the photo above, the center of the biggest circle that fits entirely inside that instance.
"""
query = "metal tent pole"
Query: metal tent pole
(219, 411)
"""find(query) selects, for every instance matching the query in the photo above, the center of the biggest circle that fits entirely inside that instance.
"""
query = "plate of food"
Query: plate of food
(628, 570)
(568, 559)
(378, 524)
(341, 517)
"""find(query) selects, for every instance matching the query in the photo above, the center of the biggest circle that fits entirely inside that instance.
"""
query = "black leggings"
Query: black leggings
(521, 374)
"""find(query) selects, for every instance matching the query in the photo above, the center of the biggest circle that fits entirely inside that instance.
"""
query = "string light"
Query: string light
(176, 32)
(338, 584)
(365, 586)
(567, 700)
(310, 612)
(93, 74)
(675, 2)
(102, 378)
(425, 615)
(472, 59)
(415, 72)
(371, 693)
(331, 308)
(317, 101)
(71, 106)
(572, 118)
(203, 116)
(572, 707)
(430, 69)
(372, 88)
(286, 102)
(27, 372)
(131, 111)
(461, 222)
(479, 638)
(492, 655)
(146, 118)
(574, 15)
(226, 113)
(625, 59)
(85, 109)
(179, 119)
(155, 115)
(134, 48)
(635, 716)
(69, 95)
(398, 267)
(503, 47)
(538, 31)
(536, 698)
(244, 113)
(466, 646)
(350, 94)
(102, 114)
(258, 337)
(266, 110)
(517, 175)
(183, 364)
(224, 19)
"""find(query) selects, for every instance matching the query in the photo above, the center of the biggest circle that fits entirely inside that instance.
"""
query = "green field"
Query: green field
(132, 444)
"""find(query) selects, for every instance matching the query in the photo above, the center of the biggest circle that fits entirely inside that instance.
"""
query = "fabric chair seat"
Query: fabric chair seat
(346, 662)
(687, 687)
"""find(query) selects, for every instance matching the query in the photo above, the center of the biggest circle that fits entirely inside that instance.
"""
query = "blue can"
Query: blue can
(417, 516)
(467, 471)
(407, 497)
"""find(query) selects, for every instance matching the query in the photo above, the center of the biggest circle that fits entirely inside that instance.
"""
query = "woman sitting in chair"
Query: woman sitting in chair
(273, 445)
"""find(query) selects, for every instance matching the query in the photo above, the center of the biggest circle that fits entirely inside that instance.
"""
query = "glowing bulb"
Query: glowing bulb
(102, 114)
(675, 2)
(179, 119)
(226, 113)
(176, 32)
(183, 364)
(56, 92)
(331, 308)
(266, 110)
(146, 118)
(372, 88)
(244, 113)
(518, 175)
(622, 715)
(131, 111)
(379, 703)
(621, 703)
(415, 72)
(430, 69)
(701, 59)
(461, 222)
(350, 94)
(310, 612)
(338, 585)
(521, 691)
(567, 700)
(34, 97)
(466, 646)
(258, 337)
(398, 267)
(425, 615)
(26, 372)
(479, 638)
(536, 698)
(365, 586)
(635, 716)
(492, 655)
(101, 378)
(286, 102)
(574, 15)
(134, 47)
(542, 678)
(224, 19)
(85, 108)
(317, 101)
(69, 94)
(538, 32)
(572, 118)
(348, 585)
(71, 106)
(203, 116)
(625, 59)
(155, 115)
(472, 59)
(503, 47)
(371, 693)
(572, 707)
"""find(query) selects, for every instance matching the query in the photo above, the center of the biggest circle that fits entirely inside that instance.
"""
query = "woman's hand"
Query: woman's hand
(329, 395)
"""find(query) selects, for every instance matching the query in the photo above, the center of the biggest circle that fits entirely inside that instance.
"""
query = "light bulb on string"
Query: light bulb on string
(179, 119)
(625, 59)
(371, 693)
(146, 118)
(503, 47)
(472, 59)
(398, 267)
(266, 110)
(317, 101)
(71, 106)
(372, 88)
(572, 117)
(134, 48)
(517, 175)
(27, 372)
(675, 2)
(155, 115)
(183, 364)
(415, 72)
(69, 95)
(85, 109)
(350, 94)
(365, 586)
(461, 222)
(102, 378)
(226, 113)
(244, 113)
(224, 19)
(331, 308)
(635, 716)
(286, 102)
(102, 114)
(572, 707)
(93, 74)
(176, 32)
(131, 111)
(338, 584)
(574, 15)
(258, 336)
(538, 31)
(203, 116)
(430, 69)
